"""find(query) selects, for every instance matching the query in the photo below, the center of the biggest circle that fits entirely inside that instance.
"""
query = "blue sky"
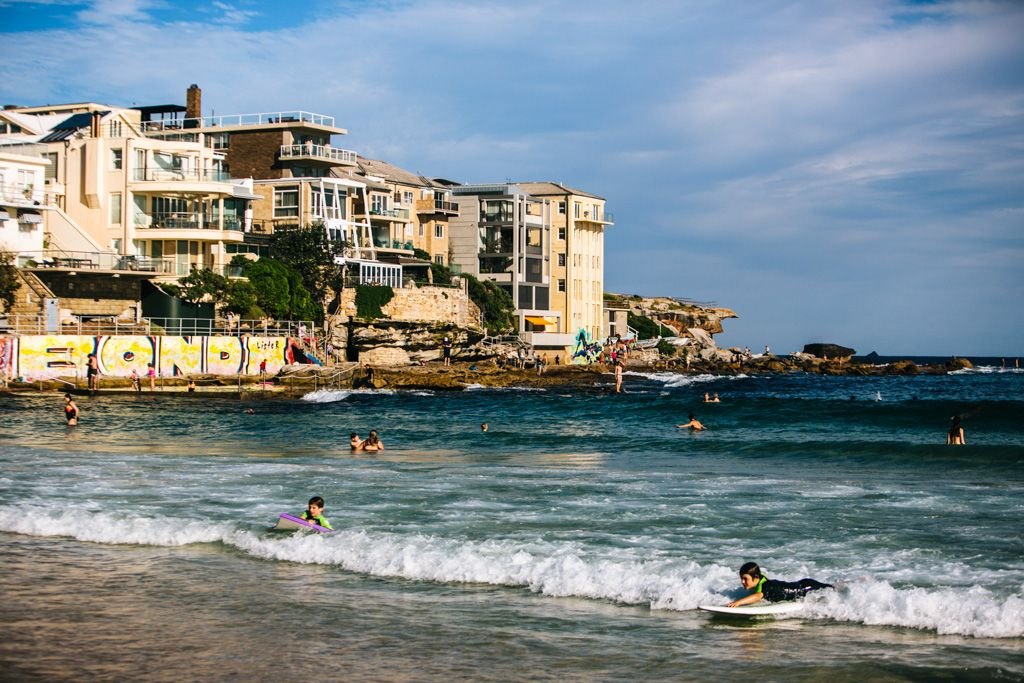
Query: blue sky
(848, 172)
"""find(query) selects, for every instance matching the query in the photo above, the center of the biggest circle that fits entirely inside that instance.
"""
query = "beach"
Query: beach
(573, 540)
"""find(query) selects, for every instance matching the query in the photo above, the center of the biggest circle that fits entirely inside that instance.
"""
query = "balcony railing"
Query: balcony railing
(93, 260)
(325, 152)
(400, 214)
(436, 206)
(261, 119)
(187, 220)
(192, 175)
(26, 194)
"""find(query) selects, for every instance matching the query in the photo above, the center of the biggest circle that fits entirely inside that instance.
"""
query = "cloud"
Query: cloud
(773, 156)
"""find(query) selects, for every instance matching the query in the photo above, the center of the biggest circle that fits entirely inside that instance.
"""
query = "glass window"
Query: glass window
(498, 210)
(51, 170)
(378, 204)
(220, 140)
(561, 285)
(116, 159)
(439, 259)
(286, 202)
(561, 208)
(407, 197)
(561, 234)
(561, 260)
(115, 208)
(439, 230)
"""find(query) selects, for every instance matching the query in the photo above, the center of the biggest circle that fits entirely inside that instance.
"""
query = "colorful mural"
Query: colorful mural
(585, 351)
(39, 357)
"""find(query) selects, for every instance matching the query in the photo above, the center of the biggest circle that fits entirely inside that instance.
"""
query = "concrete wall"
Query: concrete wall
(42, 356)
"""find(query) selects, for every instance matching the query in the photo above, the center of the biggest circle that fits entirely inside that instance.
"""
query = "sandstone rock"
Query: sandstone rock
(959, 364)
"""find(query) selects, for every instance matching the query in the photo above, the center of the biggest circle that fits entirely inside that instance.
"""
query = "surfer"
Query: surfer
(955, 435)
(315, 512)
(693, 425)
(763, 588)
(70, 410)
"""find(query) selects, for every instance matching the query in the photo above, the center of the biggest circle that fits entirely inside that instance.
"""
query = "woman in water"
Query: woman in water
(70, 410)
(955, 435)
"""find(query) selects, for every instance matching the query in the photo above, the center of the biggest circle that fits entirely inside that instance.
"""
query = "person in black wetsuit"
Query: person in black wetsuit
(763, 588)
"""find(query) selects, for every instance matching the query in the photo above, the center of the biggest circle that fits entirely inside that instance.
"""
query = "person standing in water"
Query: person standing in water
(70, 410)
(955, 435)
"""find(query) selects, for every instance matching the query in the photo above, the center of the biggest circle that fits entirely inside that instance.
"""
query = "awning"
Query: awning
(30, 218)
(537, 320)
(241, 192)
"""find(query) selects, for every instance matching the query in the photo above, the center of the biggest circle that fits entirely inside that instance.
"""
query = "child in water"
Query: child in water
(315, 512)
(763, 588)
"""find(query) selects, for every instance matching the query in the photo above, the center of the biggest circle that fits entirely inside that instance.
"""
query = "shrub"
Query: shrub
(371, 299)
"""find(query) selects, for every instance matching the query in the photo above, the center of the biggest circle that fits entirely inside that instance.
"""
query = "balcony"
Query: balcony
(436, 206)
(54, 259)
(193, 175)
(186, 222)
(240, 120)
(390, 214)
(324, 153)
(27, 195)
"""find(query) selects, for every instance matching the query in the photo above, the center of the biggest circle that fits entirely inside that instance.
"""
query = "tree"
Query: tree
(203, 285)
(9, 283)
(280, 292)
(311, 254)
(494, 302)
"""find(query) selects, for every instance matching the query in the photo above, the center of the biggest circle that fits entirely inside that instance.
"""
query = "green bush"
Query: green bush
(644, 326)
(666, 349)
(371, 299)
(280, 291)
(494, 302)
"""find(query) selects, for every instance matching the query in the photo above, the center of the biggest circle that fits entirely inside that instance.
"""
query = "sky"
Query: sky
(845, 172)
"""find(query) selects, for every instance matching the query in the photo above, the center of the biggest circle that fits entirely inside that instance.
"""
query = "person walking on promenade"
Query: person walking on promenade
(136, 383)
(151, 373)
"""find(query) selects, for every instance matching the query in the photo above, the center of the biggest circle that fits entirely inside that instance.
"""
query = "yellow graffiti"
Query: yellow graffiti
(42, 356)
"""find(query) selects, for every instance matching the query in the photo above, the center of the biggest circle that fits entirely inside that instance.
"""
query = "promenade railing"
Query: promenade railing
(21, 324)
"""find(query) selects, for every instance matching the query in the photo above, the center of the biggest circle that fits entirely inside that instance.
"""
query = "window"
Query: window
(378, 204)
(561, 260)
(220, 140)
(286, 202)
(439, 230)
(439, 259)
(51, 170)
(115, 208)
(575, 209)
(116, 159)
(561, 285)
(407, 197)
(561, 234)
(561, 208)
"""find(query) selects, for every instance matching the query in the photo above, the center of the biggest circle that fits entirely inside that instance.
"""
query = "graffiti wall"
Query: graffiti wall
(39, 357)
(585, 351)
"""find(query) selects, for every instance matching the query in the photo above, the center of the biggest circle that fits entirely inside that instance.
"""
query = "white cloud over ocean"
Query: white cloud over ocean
(834, 171)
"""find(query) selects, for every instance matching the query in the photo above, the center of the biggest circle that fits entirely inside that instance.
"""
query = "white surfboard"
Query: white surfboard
(768, 609)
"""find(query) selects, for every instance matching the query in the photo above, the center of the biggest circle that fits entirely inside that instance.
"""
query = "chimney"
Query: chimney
(94, 124)
(193, 102)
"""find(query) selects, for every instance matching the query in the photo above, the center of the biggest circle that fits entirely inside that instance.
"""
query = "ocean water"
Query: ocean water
(573, 541)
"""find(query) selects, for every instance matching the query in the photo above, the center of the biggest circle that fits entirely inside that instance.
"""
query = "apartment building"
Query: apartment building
(24, 200)
(168, 204)
(578, 223)
(405, 210)
(503, 234)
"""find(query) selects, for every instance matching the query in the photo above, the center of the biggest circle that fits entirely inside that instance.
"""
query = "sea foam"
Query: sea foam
(552, 568)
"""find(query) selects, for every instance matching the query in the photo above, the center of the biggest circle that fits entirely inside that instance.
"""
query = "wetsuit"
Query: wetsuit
(780, 591)
(319, 520)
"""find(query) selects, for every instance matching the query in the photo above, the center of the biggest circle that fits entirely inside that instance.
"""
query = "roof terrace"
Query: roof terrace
(229, 121)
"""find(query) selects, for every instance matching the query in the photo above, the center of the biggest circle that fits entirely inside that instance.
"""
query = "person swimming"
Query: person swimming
(693, 425)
